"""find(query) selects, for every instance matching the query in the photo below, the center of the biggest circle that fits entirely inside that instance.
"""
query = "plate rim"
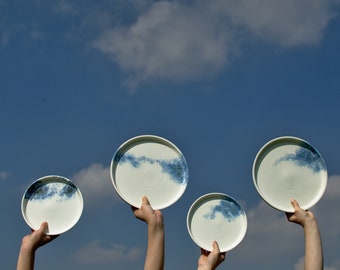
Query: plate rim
(217, 195)
(44, 178)
(146, 137)
(255, 166)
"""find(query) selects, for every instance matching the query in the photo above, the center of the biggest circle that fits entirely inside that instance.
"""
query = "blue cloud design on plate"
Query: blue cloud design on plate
(228, 208)
(305, 156)
(176, 168)
(41, 191)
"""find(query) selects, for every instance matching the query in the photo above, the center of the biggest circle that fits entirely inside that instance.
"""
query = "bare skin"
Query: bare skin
(30, 243)
(210, 260)
(155, 251)
(313, 245)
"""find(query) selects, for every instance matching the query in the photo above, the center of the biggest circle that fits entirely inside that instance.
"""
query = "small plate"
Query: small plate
(289, 168)
(152, 166)
(53, 199)
(216, 217)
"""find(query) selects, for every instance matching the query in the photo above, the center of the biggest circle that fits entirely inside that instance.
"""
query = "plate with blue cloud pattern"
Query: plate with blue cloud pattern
(216, 217)
(288, 168)
(54, 199)
(152, 166)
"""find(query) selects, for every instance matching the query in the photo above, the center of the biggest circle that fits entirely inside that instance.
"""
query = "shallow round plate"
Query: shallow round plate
(152, 166)
(216, 217)
(289, 168)
(53, 199)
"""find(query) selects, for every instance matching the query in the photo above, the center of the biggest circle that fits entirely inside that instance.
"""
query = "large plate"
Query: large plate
(152, 166)
(53, 199)
(288, 168)
(216, 217)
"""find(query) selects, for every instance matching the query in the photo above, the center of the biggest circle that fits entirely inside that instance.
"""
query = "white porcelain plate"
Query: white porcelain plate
(289, 168)
(152, 166)
(53, 199)
(216, 217)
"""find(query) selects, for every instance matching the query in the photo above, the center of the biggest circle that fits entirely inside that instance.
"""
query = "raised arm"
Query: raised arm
(155, 250)
(210, 260)
(313, 244)
(30, 243)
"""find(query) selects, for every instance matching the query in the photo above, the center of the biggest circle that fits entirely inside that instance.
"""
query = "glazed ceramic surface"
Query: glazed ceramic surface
(216, 216)
(152, 166)
(289, 168)
(53, 199)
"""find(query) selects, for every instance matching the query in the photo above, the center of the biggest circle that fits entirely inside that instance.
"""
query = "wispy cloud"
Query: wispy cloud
(95, 184)
(286, 23)
(177, 41)
(169, 41)
(180, 40)
(4, 175)
(94, 253)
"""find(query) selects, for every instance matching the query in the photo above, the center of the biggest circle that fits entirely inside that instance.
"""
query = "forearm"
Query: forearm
(155, 250)
(313, 246)
(26, 259)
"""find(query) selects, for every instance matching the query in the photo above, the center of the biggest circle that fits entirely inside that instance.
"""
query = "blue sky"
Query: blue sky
(219, 79)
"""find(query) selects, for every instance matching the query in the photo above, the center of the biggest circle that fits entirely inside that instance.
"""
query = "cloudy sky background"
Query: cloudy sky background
(217, 78)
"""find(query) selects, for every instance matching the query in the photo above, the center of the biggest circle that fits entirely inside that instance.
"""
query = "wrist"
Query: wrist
(155, 227)
(310, 224)
(28, 246)
(156, 223)
(27, 249)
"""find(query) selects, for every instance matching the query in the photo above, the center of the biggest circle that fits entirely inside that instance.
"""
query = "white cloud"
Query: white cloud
(268, 226)
(331, 268)
(327, 212)
(300, 264)
(3, 175)
(169, 41)
(181, 40)
(177, 41)
(95, 184)
(333, 188)
(287, 23)
(94, 253)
